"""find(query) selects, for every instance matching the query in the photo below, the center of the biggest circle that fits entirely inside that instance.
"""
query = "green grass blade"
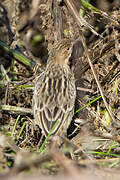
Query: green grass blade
(22, 128)
(15, 125)
(87, 5)
(17, 55)
(48, 136)
(88, 104)
(103, 153)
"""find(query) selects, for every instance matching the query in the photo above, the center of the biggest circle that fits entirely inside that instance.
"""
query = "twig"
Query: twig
(58, 20)
(95, 161)
(81, 21)
(31, 163)
(95, 76)
(4, 73)
(109, 73)
(65, 163)
(85, 89)
(117, 46)
(97, 56)
(15, 109)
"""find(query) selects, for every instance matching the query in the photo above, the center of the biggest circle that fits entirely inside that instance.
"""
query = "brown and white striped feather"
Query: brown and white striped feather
(54, 98)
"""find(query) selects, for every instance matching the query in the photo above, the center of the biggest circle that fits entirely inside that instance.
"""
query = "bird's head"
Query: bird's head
(61, 51)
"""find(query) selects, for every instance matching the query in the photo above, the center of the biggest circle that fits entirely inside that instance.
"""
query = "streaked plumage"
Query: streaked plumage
(55, 92)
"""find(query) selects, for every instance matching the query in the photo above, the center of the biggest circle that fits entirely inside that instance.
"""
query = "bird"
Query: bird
(55, 92)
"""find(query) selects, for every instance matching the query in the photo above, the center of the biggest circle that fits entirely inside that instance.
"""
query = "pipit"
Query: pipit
(55, 92)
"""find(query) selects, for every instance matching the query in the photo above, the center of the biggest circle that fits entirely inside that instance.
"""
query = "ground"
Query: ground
(27, 32)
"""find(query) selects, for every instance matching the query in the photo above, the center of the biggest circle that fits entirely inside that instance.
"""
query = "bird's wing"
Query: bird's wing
(53, 101)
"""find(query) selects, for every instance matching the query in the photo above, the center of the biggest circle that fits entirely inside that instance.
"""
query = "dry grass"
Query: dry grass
(93, 149)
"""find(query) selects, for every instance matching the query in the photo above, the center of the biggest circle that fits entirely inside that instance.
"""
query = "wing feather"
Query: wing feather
(53, 102)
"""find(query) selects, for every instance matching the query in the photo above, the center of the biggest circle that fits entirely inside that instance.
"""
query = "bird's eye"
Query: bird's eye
(68, 48)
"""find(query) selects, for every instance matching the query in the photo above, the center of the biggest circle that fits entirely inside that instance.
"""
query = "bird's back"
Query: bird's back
(54, 98)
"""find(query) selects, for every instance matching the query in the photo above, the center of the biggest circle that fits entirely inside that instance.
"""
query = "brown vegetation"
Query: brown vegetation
(28, 30)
